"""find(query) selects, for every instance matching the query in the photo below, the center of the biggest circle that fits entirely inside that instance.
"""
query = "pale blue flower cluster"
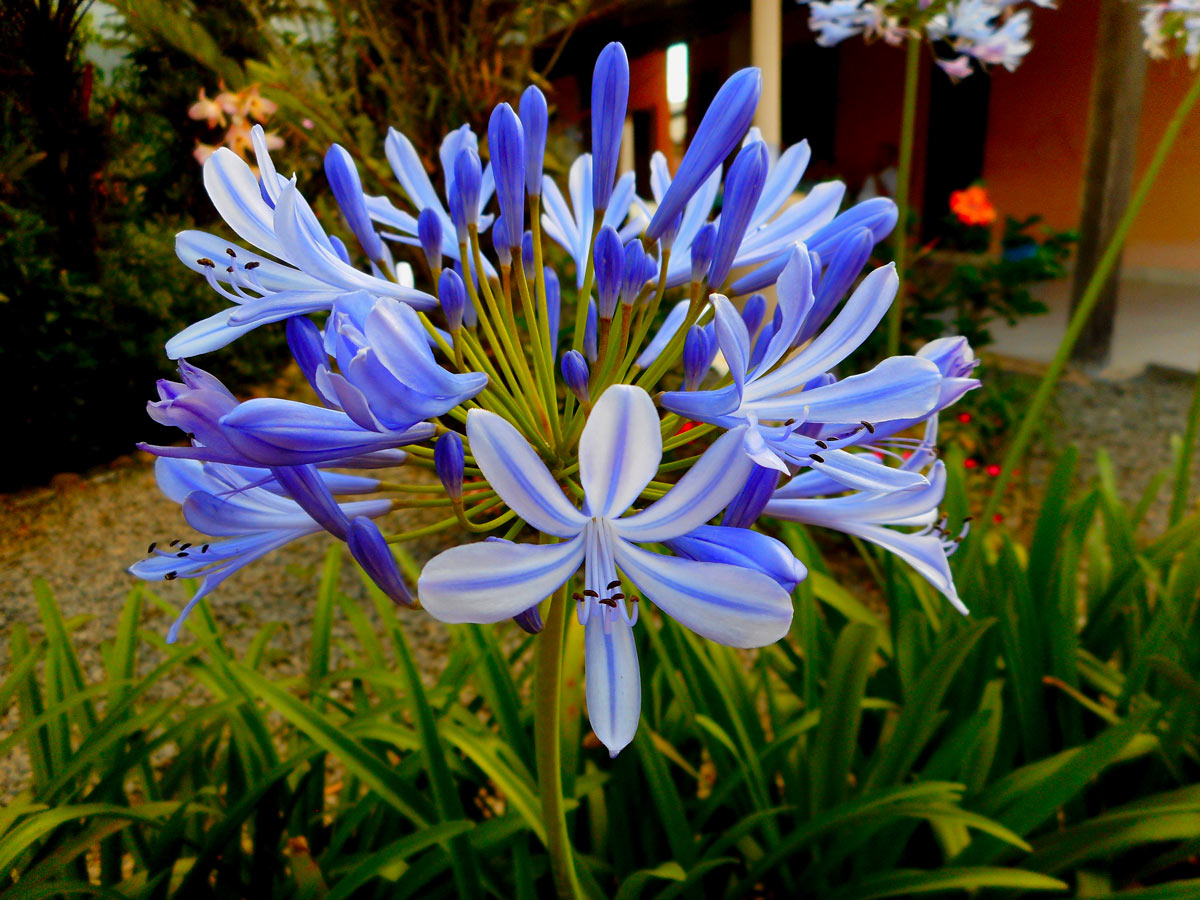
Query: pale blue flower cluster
(562, 430)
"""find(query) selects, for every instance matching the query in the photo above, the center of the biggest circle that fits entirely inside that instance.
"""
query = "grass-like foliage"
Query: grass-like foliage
(1048, 743)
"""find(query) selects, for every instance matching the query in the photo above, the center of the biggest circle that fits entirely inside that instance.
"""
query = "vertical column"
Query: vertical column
(766, 52)
(1116, 106)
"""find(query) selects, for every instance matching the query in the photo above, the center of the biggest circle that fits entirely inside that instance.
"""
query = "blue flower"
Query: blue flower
(238, 504)
(813, 411)
(506, 145)
(342, 175)
(610, 96)
(619, 454)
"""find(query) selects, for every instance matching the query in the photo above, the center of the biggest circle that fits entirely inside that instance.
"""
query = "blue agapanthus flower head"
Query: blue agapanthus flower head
(604, 397)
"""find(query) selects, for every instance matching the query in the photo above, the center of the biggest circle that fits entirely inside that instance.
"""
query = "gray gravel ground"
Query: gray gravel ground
(81, 532)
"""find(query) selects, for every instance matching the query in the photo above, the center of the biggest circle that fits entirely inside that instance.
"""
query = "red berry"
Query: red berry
(993, 470)
(970, 463)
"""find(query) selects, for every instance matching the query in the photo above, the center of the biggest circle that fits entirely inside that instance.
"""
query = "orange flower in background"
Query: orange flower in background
(972, 206)
(237, 110)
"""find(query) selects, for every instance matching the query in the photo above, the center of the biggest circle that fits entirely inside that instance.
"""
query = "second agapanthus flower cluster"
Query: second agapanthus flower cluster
(628, 421)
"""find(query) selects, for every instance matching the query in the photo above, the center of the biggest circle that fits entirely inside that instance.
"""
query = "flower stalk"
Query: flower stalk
(908, 119)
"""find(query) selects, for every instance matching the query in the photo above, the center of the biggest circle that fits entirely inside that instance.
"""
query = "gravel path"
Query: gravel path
(81, 532)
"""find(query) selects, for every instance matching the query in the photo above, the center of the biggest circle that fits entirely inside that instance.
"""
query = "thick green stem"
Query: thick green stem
(908, 120)
(548, 742)
(1087, 302)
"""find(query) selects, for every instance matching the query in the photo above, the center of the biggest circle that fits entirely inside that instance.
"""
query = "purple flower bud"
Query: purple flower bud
(500, 241)
(373, 553)
(429, 231)
(754, 312)
(343, 179)
(695, 358)
(308, 348)
(304, 485)
(633, 276)
(878, 215)
(703, 245)
(469, 317)
(340, 249)
(448, 461)
(535, 121)
(589, 332)
(527, 251)
(576, 374)
(745, 508)
(452, 294)
(553, 307)
(743, 187)
(530, 620)
(764, 339)
(464, 191)
(721, 129)
(845, 265)
(506, 144)
(610, 97)
(608, 257)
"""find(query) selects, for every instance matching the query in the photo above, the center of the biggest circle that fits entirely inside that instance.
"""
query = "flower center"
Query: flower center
(603, 594)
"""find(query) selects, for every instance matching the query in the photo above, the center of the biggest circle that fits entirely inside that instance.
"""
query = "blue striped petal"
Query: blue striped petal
(620, 449)
(613, 679)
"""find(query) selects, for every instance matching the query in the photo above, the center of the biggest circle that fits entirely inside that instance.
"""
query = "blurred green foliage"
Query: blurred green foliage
(1048, 742)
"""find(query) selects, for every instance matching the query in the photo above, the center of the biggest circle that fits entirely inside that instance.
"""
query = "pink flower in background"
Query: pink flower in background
(239, 110)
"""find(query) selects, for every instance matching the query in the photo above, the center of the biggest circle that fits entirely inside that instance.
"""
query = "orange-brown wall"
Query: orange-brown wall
(1037, 136)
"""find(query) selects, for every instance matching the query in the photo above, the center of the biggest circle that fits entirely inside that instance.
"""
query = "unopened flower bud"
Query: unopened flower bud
(527, 250)
(448, 461)
(576, 374)
(372, 551)
(535, 120)
(610, 97)
(589, 332)
(468, 177)
(703, 245)
(743, 186)
(608, 259)
(500, 242)
(696, 355)
(753, 312)
(429, 231)
(343, 179)
(553, 307)
(633, 276)
(506, 144)
(452, 294)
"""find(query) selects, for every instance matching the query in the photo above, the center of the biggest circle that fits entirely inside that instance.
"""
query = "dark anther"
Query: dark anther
(578, 598)
(184, 546)
(822, 445)
(181, 553)
(153, 544)
(789, 421)
(868, 426)
(204, 549)
(171, 576)
(590, 593)
(612, 584)
(251, 265)
(229, 250)
(174, 542)
(617, 596)
(816, 458)
(229, 269)
(205, 261)
(967, 519)
(633, 599)
(609, 601)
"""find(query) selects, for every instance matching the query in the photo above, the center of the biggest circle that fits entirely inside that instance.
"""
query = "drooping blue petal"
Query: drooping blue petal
(704, 490)
(620, 449)
(747, 505)
(207, 335)
(613, 679)
(610, 96)
(410, 171)
(731, 605)
(861, 471)
(374, 554)
(721, 129)
(491, 581)
(781, 182)
(795, 301)
(277, 432)
(516, 472)
(304, 485)
(742, 547)
(277, 307)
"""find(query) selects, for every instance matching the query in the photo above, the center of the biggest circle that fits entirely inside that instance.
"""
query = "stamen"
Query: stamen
(184, 546)
(171, 576)
(867, 425)
(206, 262)
(181, 554)
(150, 549)
(616, 582)
(232, 255)
(174, 542)
(590, 593)
(204, 549)
(815, 458)
(252, 265)
(822, 445)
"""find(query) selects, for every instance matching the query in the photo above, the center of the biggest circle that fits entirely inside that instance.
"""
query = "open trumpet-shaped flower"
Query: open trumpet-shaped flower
(619, 454)
(246, 506)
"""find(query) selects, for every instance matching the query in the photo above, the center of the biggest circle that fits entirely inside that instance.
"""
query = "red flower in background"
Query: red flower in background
(972, 206)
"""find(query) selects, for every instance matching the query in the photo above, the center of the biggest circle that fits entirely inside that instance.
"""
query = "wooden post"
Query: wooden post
(1117, 86)
(766, 52)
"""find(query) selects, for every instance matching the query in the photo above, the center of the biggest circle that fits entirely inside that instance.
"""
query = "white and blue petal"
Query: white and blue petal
(620, 450)
(516, 472)
(491, 581)
(613, 679)
(728, 604)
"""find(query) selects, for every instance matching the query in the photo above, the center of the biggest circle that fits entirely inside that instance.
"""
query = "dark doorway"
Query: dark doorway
(957, 131)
